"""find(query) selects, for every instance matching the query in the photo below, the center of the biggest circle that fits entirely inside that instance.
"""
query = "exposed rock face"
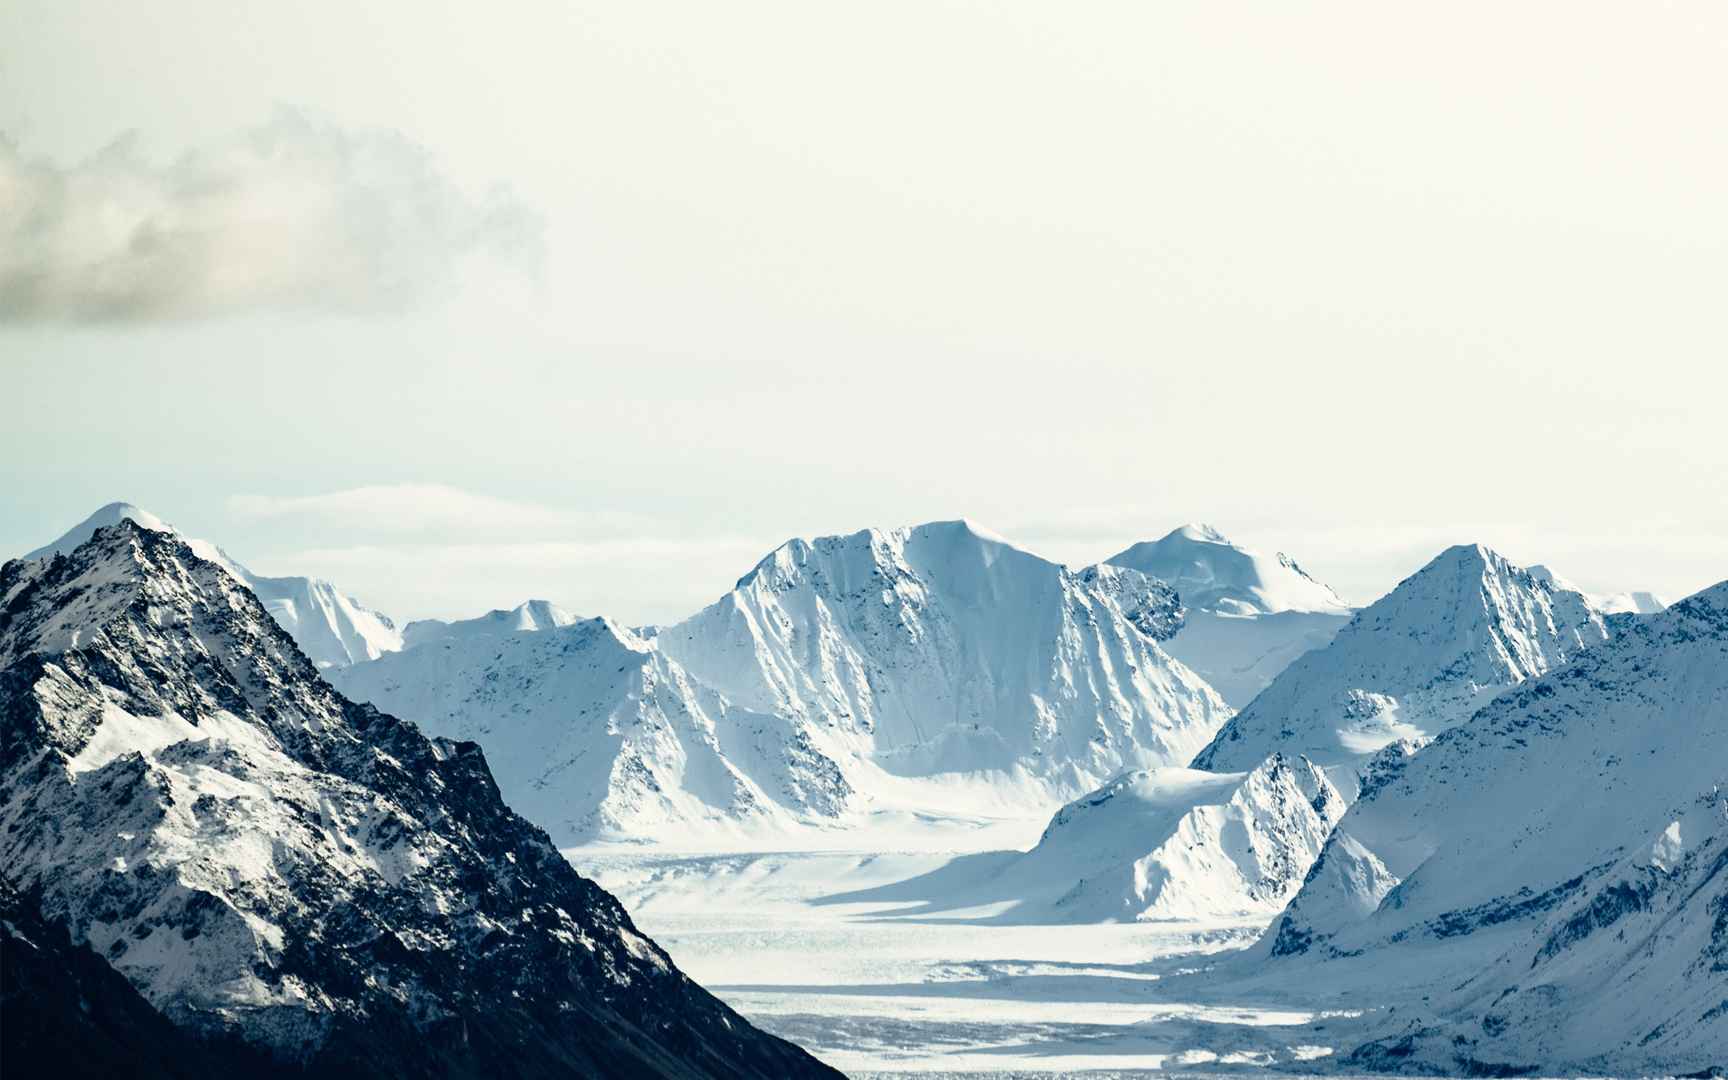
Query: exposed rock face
(265, 861)
(1419, 660)
(68, 1014)
(1555, 868)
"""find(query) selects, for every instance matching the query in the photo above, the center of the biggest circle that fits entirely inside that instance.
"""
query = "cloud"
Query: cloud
(292, 214)
(415, 507)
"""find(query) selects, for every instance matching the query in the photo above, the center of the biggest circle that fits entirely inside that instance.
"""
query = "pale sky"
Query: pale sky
(461, 304)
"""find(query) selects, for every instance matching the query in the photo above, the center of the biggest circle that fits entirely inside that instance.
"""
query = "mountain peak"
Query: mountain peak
(1199, 532)
(1471, 554)
(1467, 625)
(331, 628)
(399, 913)
(106, 515)
(1211, 573)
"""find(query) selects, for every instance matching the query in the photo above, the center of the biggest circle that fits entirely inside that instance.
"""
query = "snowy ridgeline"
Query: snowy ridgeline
(843, 682)
(330, 627)
(1553, 872)
(1176, 843)
(1486, 785)
(288, 878)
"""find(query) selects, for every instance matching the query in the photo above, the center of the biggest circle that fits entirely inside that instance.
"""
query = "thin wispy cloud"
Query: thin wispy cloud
(417, 507)
(292, 214)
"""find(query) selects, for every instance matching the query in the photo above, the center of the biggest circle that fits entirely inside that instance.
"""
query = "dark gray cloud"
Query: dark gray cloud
(292, 214)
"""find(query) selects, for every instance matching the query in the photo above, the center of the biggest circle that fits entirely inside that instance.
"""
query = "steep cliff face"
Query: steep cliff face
(1422, 658)
(265, 861)
(1555, 868)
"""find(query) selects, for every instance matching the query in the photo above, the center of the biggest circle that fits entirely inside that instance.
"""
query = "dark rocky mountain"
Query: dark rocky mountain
(69, 1015)
(279, 872)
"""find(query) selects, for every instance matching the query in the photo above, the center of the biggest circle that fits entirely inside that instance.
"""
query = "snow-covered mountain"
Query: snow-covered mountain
(593, 733)
(1249, 616)
(331, 628)
(944, 648)
(1552, 875)
(1637, 602)
(1213, 574)
(528, 616)
(1418, 660)
(1154, 844)
(264, 860)
(1179, 843)
(838, 670)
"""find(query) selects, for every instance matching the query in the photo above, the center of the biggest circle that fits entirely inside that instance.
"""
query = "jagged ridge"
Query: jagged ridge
(260, 857)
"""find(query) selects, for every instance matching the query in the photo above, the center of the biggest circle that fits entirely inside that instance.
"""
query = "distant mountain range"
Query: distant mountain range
(834, 671)
(1486, 785)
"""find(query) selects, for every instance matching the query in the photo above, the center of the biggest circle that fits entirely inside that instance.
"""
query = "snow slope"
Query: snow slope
(530, 615)
(1151, 845)
(1211, 573)
(1418, 660)
(1554, 872)
(264, 860)
(1249, 616)
(945, 649)
(331, 628)
(592, 733)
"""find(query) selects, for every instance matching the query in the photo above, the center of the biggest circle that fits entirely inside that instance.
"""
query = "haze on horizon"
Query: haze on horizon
(600, 303)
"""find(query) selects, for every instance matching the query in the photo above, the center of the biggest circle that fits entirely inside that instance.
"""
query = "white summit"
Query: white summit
(1424, 657)
(1249, 615)
(331, 628)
